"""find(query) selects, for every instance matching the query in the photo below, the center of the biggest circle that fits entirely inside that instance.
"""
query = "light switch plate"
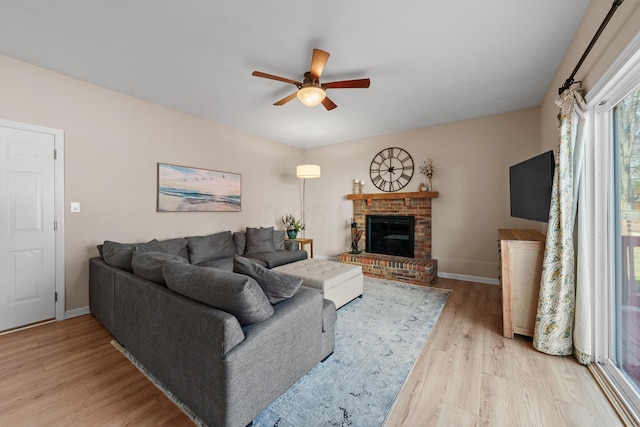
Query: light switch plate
(75, 207)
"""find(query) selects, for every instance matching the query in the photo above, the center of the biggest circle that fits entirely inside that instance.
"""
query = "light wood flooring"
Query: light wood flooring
(68, 373)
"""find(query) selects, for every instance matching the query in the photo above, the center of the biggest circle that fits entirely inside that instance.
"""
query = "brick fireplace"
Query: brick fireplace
(421, 269)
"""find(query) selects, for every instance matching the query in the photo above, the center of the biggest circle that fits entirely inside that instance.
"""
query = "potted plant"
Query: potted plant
(292, 225)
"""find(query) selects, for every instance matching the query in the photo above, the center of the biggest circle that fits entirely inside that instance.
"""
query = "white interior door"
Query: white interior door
(27, 227)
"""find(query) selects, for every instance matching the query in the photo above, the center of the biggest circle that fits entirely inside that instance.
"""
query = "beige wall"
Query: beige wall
(113, 143)
(473, 159)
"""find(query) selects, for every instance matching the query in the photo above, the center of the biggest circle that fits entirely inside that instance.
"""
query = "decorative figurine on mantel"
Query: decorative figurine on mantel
(358, 186)
(355, 237)
(427, 169)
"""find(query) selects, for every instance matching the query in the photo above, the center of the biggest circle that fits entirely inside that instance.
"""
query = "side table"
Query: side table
(305, 241)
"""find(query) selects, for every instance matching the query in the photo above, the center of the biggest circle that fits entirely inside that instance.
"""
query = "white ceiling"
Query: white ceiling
(429, 61)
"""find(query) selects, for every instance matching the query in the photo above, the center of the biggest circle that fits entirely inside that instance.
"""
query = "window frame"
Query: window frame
(622, 77)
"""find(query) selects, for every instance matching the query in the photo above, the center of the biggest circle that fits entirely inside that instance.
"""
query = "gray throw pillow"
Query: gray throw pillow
(277, 286)
(148, 265)
(211, 247)
(120, 254)
(278, 240)
(259, 240)
(236, 294)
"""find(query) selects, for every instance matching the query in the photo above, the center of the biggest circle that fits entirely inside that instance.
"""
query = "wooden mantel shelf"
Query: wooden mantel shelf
(412, 195)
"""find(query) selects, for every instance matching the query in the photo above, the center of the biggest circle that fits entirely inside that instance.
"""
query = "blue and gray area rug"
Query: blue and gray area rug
(378, 338)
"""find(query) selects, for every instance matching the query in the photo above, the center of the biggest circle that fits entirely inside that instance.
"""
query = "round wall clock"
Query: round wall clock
(391, 169)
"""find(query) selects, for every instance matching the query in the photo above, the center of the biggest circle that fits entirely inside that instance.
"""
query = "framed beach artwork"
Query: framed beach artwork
(187, 189)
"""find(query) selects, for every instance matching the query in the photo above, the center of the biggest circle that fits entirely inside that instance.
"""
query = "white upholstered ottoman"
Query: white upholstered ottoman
(338, 282)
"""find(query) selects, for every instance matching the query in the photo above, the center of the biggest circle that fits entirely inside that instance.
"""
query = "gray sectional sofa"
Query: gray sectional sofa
(226, 343)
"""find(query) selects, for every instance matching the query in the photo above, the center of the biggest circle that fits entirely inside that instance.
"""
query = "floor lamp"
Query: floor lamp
(303, 172)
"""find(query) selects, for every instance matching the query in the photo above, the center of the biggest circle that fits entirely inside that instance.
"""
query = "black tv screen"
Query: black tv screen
(530, 185)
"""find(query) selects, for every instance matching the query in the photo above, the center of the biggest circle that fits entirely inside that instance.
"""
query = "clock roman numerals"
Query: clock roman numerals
(391, 169)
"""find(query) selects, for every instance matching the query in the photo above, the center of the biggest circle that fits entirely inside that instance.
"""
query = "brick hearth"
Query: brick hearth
(412, 270)
(421, 269)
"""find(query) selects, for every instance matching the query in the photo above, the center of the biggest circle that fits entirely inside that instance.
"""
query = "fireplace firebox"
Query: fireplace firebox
(390, 235)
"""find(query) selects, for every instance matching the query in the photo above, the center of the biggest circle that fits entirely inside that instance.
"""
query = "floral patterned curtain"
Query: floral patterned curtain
(554, 329)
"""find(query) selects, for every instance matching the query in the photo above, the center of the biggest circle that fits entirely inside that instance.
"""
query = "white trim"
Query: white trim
(466, 278)
(58, 137)
(77, 312)
(628, 58)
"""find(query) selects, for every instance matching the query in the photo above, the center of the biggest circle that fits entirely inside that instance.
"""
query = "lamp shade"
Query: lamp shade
(308, 171)
(311, 95)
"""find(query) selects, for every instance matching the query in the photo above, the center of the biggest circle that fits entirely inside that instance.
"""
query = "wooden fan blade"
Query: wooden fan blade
(318, 61)
(347, 84)
(286, 99)
(328, 104)
(272, 77)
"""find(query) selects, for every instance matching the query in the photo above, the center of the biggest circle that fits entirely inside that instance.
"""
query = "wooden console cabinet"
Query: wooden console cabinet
(521, 253)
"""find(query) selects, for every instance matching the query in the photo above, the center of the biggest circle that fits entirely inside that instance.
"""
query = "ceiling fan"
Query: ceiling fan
(311, 92)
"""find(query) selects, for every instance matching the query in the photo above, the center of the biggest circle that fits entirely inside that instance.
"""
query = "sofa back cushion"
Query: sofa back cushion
(211, 247)
(240, 241)
(236, 294)
(120, 254)
(259, 240)
(276, 286)
(148, 265)
(278, 240)
(177, 246)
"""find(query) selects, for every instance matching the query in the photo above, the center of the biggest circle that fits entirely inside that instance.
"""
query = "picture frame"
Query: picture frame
(190, 189)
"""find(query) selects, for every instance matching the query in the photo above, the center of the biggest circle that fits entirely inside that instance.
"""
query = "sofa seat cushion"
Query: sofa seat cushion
(275, 258)
(148, 265)
(208, 248)
(276, 286)
(236, 294)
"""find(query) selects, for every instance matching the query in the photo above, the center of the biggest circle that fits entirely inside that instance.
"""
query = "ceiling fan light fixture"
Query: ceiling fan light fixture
(311, 95)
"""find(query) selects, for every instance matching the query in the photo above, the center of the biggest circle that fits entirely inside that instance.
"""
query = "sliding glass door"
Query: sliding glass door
(611, 208)
(625, 337)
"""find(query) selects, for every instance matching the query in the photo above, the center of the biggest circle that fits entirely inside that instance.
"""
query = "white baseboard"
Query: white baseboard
(477, 279)
(76, 312)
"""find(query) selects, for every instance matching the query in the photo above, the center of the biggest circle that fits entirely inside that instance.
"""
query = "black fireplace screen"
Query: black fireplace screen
(390, 235)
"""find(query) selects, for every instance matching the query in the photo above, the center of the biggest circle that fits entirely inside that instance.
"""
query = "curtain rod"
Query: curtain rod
(567, 84)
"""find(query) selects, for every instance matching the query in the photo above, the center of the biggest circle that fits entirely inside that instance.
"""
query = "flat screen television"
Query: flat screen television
(530, 185)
